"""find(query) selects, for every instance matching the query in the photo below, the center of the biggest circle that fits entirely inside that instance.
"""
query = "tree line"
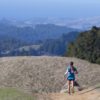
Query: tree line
(86, 46)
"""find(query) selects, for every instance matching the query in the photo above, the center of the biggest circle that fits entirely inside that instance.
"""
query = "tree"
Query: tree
(86, 46)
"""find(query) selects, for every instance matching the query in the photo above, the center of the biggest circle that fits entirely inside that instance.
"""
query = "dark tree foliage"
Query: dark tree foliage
(58, 46)
(9, 43)
(86, 46)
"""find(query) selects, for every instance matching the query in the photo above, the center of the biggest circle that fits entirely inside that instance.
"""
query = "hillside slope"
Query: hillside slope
(36, 74)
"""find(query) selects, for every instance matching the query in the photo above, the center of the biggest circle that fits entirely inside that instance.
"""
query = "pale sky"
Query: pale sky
(26, 9)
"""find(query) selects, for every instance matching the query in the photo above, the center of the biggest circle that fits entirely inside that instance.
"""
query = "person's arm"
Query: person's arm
(66, 73)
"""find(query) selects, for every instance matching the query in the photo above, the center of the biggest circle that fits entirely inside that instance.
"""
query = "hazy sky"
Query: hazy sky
(26, 9)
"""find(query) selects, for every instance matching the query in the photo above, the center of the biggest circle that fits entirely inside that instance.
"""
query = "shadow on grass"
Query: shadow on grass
(95, 88)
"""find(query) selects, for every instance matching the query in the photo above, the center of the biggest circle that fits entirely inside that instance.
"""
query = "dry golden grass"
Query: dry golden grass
(44, 74)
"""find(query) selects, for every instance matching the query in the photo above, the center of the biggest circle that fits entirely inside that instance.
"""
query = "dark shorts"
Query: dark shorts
(70, 79)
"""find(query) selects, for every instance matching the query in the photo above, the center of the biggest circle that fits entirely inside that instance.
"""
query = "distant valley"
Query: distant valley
(49, 38)
(41, 36)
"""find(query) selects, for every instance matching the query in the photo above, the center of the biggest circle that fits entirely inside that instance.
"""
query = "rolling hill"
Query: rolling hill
(32, 34)
(44, 74)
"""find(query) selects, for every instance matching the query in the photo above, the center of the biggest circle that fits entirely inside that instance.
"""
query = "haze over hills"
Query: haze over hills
(45, 33)
(13, 37)
(30, 34)
(78, 23)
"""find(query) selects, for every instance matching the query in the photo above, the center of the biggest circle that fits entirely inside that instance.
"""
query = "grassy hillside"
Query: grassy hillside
(13, 94)
(44, 74)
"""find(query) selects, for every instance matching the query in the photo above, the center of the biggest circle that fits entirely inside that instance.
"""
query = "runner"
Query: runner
(70, 75)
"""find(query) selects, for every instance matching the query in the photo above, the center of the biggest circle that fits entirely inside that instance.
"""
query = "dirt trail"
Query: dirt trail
(84, 95)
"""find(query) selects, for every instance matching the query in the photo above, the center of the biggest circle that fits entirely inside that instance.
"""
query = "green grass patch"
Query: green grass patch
(13, 94)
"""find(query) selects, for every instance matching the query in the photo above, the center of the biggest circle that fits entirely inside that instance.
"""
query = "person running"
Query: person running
(70, 75)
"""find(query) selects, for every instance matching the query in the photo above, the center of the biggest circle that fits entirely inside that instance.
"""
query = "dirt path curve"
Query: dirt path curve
(86, 95)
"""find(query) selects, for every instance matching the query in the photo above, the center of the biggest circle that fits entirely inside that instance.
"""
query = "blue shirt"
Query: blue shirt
(71, 74)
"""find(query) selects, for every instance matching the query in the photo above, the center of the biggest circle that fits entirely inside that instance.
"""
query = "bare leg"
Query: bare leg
(69, 82)
(72, 86)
